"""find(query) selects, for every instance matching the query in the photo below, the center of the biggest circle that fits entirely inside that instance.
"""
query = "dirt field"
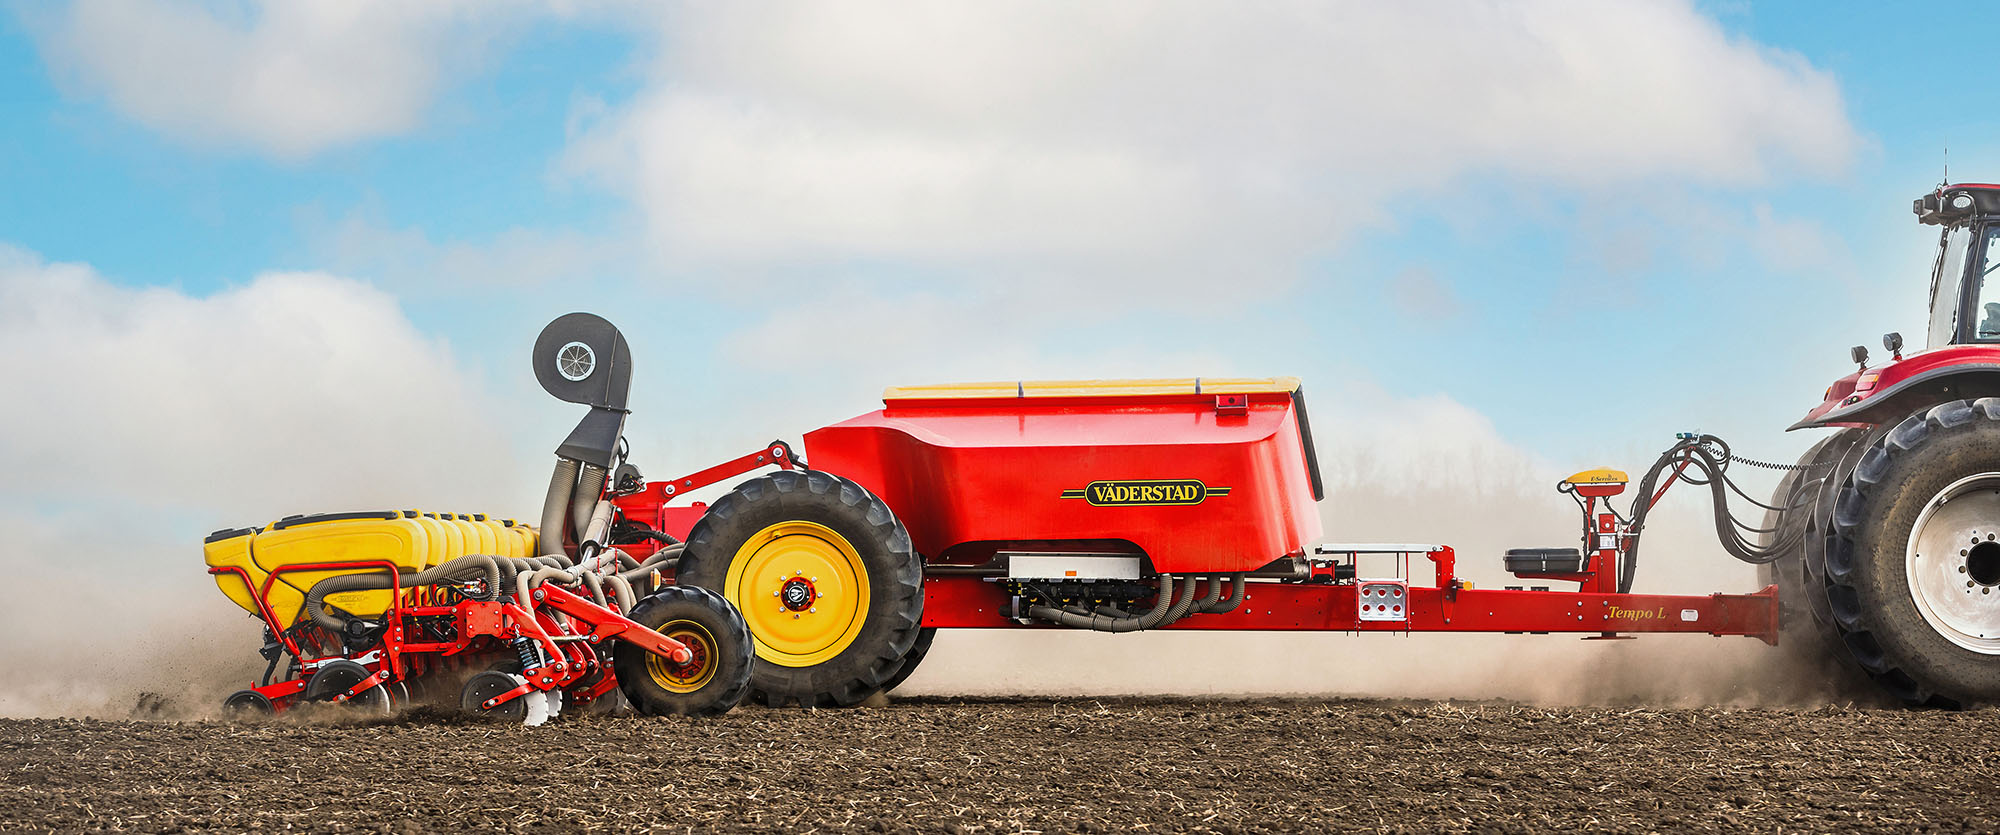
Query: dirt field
(1081, 765)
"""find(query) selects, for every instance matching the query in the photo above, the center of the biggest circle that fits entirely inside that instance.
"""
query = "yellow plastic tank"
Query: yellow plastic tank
(489, 536)
(478, 540)
(454, 536)
(525, 534)
(231, 548)
(440, 552)
(504, 544)
(385, 535)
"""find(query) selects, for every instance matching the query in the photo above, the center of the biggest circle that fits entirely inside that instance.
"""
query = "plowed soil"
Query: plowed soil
(1070, 765)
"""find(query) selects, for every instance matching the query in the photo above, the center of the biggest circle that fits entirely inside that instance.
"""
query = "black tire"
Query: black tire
(1816, 662)
(1868, 585)
(916, 656)
(718, 677)
(887, 629)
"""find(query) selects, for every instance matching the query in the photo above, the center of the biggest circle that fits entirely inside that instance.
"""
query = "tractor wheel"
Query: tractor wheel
(1913, 565)
(824, 574)
(917, 652)
(1808, 637)
(713, 681)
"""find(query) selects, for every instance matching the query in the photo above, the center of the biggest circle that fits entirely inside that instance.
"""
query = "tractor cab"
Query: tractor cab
(1965, 292)
(1961, 352)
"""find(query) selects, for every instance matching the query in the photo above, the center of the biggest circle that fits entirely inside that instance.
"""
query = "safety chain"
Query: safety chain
(1786, 467)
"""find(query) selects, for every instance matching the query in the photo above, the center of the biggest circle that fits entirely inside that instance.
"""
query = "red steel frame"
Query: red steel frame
(1450, 605)
(398, 659)
(650, 505)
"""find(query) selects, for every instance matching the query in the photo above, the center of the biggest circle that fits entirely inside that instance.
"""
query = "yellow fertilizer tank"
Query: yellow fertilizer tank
(454, 536)
(386, 535)
(411, 540)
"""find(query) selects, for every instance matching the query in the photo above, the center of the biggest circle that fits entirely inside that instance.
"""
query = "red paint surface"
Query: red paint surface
(964, 474)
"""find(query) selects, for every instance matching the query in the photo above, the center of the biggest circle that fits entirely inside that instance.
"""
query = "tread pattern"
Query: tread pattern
(1861, 495)
(715, 613)
(896, 585)
(1809, 639)
(910, 661)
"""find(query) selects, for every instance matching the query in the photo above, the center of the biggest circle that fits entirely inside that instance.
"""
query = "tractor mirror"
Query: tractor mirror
(581, 358)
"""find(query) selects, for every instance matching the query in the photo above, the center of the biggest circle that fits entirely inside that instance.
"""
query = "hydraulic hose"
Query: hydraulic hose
(459, 569)
(665, 559)
(555, 506)
(1699, 453)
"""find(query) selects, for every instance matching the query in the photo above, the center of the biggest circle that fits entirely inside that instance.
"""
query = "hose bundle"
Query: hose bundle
(575, 503)
(1709, 457)
(1167, 607)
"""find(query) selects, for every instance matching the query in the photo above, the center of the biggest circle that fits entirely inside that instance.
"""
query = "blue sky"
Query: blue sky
(1586, 289)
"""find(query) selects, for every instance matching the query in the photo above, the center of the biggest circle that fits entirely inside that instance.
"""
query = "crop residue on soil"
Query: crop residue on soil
(1012, 765)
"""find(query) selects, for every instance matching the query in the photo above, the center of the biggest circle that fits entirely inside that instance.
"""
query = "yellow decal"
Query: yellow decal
(1180, 491)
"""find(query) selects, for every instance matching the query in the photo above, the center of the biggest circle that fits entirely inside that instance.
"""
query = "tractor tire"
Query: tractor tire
(826, 578)
(1808, 639)
(1913, 563)
(711, 683)
(916, 656)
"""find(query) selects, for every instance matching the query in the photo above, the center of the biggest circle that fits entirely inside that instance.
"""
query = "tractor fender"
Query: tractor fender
(1909, 386)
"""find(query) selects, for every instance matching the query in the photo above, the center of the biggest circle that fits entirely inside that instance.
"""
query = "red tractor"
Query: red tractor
(1893, 519)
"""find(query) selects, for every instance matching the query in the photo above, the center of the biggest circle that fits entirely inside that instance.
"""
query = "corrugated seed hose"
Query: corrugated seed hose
(555, 507)
(589, 486)
(1165, 611)
(1109, 623)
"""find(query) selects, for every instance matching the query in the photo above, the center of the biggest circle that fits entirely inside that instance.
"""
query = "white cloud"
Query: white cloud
(1136, 141)
(285, 78)
(295, 393)
(410, 258)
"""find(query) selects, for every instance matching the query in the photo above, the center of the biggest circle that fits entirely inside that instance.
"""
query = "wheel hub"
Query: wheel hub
(697, 670)
(798, 594)
(1953, 563)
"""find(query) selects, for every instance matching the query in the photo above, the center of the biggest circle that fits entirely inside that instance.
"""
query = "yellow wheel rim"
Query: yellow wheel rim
(803, 590)
(692, 676)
